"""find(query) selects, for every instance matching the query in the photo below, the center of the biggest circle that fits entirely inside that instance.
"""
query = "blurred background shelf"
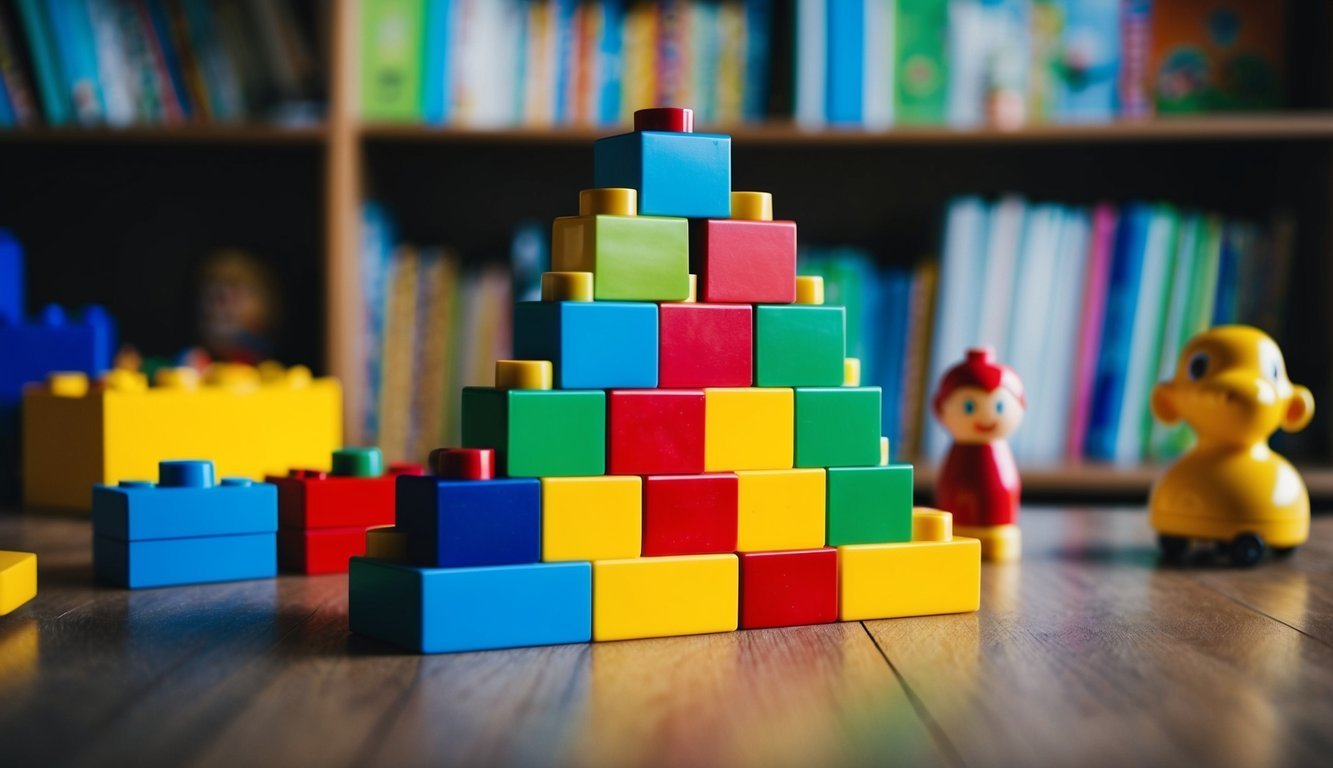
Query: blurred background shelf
(167, 137)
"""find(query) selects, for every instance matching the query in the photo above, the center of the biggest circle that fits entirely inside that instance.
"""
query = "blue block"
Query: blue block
(438, 610)
(29, 351)
(186, 504)
(592, 344)
(173, 562)
(455, 523)
(677, 174)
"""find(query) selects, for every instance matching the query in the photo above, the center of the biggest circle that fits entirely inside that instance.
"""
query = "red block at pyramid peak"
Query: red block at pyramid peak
(674, 119)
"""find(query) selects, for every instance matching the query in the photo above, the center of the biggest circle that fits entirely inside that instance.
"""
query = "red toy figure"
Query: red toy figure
(980, 402)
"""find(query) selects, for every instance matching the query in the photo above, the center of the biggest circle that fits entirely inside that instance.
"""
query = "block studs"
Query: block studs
(185, 474)
(67, 384)
(609, 201)
(358, 462)
(567, 286)
(463, 463)
(851, 371)
(524, 374)
(931, 525)
(752, 206)
(809, 289)
(674, 119)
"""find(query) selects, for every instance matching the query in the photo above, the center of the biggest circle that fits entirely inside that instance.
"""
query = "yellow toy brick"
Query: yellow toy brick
(851, 371)
(524, 374)
(752, 206)
(18, 579)
(748, 428)
(609, 201)
(883, 451)
(664, 596)
(809, 289)
(780, 509)
(999, 543)
(934, 573)
(386, 542)
(566, 286)
(591, 518)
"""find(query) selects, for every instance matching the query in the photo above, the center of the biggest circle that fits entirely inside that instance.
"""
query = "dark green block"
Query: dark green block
(538, 432)
(798, 345)
(869, 505)
(837, 426)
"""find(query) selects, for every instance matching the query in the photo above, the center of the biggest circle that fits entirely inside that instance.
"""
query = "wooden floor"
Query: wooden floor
(1087, 653)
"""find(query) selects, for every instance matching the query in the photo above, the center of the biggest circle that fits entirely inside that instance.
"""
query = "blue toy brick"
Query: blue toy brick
(55, 342)
(456, 523)
(436, 610)
(135, 511)
(677, 174)
(593, 345)
(174, 562)
(11, 278)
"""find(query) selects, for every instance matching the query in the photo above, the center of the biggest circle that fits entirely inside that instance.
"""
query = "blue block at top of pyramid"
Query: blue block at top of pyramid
(676, 171)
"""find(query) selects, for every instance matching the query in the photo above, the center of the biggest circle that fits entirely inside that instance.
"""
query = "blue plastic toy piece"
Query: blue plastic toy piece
(438, 610)
(455, 523)
(11, 278)
(29, 351)
(677, 174)
(593, 345)
(174, 562)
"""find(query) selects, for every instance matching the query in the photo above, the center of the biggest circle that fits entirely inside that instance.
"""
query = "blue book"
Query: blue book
(1225, 309)
(72, 32)
(609, 49)
(758, 19)
(45, 63)
(564, 59)
(157, 13)
(846, 47)
(894, 308)
(6, 109)
(1122, 295)
(377, 243)
(438, 54)
(1088, 62)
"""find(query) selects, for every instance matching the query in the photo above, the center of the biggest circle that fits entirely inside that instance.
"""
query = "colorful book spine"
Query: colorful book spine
(1090, 324)
(391, 32)
(921, 66)
(846, 53)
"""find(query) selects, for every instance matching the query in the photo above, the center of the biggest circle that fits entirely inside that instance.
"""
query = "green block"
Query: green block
(837, 426)
(538, 432)
(869, 505)
(798, 345)
(632, 258)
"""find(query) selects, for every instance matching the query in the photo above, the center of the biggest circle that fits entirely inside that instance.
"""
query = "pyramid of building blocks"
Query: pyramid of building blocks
(675, 452)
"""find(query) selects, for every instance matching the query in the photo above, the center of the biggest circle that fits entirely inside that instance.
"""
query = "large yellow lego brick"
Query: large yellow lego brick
(664, 596)
(934, 573)
(18, 579)
(748, 428)
(780, 509)
(591, 518)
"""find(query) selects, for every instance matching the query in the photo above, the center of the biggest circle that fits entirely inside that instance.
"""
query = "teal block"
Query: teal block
(676, 174)
(591, 344)
(868, 505)
(538, 432)
(798, 345)
(837, 426)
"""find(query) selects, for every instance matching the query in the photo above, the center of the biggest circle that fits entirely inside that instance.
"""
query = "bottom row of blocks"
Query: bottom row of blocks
(439, 610)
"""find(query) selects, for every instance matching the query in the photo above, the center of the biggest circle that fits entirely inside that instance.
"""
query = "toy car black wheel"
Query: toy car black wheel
(1283, 553)
(1173, 547)
(1245, 550)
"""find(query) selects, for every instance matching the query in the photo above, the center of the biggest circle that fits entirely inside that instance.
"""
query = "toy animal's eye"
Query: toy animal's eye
(1197, 367)
(999, 406)
(969, 407)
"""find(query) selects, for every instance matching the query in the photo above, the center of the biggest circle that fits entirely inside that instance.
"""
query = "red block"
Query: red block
(654, 431)
(676, 119)
(749, 262)
(784, 589)
(312, 499)
(705, 345)
(320, 550)
(689, 514)
(463, 463)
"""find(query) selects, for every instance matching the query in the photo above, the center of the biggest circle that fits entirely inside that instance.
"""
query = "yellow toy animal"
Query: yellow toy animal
(1231, 387)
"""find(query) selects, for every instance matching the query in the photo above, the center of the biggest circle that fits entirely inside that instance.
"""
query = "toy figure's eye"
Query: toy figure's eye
(1197, 367)
(969, 407)
(999, 406)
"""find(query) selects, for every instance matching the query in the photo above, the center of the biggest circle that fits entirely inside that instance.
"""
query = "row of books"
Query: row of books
(876, 63)
(170, 62)
(562, 62)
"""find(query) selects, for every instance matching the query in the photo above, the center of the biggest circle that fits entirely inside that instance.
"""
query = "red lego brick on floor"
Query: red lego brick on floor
(654, 431)
(311, 499)
(783, 589)
(705, 345)
(320, 550)
(752, 262)
(689, 514)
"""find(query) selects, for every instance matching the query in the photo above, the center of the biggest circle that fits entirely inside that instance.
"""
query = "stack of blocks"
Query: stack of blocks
(677, 453)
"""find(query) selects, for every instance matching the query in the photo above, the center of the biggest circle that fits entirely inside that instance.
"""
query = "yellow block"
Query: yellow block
(884, 451)
(999, 543)
(524, 374)
(809, 289)
(752, 206)
(386, 542)
(591, 518)
(919, 578)
(930, 524)
(664, 596)
(748, 428)
(851, 371)
(609, 201)
(567, 286)
(780, 509)
(18, 579)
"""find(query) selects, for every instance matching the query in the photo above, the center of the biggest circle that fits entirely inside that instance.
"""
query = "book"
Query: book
(1087, 62)
(811, 63)
(71, 31)
(878, 80)
(1159, 256)
(391, 52)
(1210, 55)
(921, 62)
(51, 84)
(1059, 355)
(16, 78)
(845, 48)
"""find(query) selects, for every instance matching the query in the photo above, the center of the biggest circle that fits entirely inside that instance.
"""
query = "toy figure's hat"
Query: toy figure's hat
(979, 369)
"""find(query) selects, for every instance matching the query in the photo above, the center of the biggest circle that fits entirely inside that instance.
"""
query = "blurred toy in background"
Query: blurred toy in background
(1231, 388)
(980, 403)
(238, 308)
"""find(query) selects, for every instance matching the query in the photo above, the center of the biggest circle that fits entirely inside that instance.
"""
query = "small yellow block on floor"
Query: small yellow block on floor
(780, 509)
(748, 428)
(524, 374)
(918, 578)
(591, 518)
(18, 579)
(386, 543)
(664, 596)
(999, 543)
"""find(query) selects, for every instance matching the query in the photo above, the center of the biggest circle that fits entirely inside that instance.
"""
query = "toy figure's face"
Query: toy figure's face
(1231, 387)
(973, 415)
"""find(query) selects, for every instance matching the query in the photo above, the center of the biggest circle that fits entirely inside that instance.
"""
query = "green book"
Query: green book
(921, 62)
(391, 33)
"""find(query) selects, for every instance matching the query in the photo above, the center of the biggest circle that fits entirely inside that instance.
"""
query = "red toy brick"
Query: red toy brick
(784, 589)
(312, 499)
(751, 262)
(705, 345)
(689, 514)
(320, 550)
(463, 463)
(676, 119)
(654, 431)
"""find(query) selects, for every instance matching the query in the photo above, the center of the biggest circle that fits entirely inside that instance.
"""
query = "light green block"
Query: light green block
(837, 426)
(869, 505)
(632, 258)
(798, 345)
(538, 432)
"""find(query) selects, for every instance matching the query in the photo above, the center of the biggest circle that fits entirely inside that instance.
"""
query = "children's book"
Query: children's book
(811, 62)
(1146, 340)
(1087, 65)
(921, 62)
(1218, 55)
(391, 32)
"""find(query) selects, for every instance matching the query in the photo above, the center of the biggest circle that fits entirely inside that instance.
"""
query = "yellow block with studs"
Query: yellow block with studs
(18, 579)
(524, 374)
(386, 543)
(809, 289)
(999, 543)
(748, 428)
(566, 286)
(591, 518)
(934, 573)
(752, 206)
(664, 596)
(851, 371)
(780, 509)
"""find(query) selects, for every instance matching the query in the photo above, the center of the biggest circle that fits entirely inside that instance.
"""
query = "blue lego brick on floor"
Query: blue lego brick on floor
(53, 342)
(136, 511)
(593, 345)
(677, 174)
(457, 523)
(443, 610)
(175, 562)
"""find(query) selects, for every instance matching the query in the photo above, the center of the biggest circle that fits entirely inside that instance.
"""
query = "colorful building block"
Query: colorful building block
(18, 579)
(314, 499)
(744, 261)
(456, 523)
(780, 509)
(748, 428)
(631, 257)
(567, 286)
(851, 372)
(689, 514)
(320, 550)
(663, 596)
(55, 341)
(999, 543)
(386, 543)
(837, 426)
(591, 518)
(783, 589)
(593, 345)
(443, 610)
(799, 346)
(676, 173)
(462, 463)
(752, 206)
(940, 574)
(678, 119)
(869, 505)
(524, 374)
(705, 345)
(537, 433)
(810, 289)
(657, 431)
(175, 562)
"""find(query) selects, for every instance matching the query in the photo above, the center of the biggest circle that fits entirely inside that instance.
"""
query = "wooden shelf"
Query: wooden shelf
(166, 135)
